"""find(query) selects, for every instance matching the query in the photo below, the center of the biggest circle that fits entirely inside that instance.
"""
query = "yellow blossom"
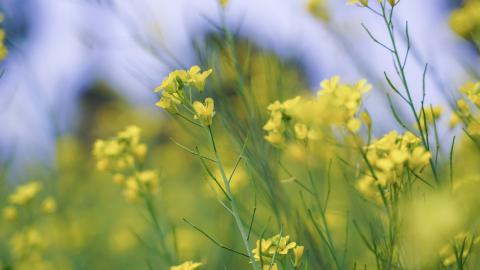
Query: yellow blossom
(388, 158)
(10, 213)
(24, 242)
(298, 253)
(354, 125)
(318, 8)
(277, 244)
(204, 111)
(49, 205)
(301, 131)
(223, 3)
(25, 193)
(360, 2)
(197, 78)
(189, 265)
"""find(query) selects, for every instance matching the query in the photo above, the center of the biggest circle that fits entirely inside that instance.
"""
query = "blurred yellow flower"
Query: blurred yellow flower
(10, 213)
(189, 265)
(49, 205)
(25, 193)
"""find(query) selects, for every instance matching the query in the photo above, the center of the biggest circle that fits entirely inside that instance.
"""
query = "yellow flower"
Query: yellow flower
(454, 120)
(3, 48)
(318, 8)
(204, 111)
(277, 244)
(119, 153)
(169, 102)
(276, 139)
(141, 151)
(26, 241)
(472, 91)
(173, 82)
(177, 79)
(430, 115)
(389, 157)
(465, 21)
(262, 248)
(268, 267)
(282, 244)
(149, 180)
(223, 3)
(367, 120)
(132, 190)
(301, 131)
(360, 2)
(49, 205)
(298, 253)
(10, 213)
(25, 193)
(354, 125)
(462, 241)
(197, 78)
(119, 178)
(189, 265)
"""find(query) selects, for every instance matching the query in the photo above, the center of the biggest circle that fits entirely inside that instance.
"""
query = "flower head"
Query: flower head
(189, 265)
(25, 193)
(204, 111)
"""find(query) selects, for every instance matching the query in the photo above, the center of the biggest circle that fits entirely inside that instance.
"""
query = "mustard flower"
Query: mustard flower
(463, 241)
(120, 152)
(3, 48)
(277, 244)
(360, 2)
(465, 21)
(10, 213)
(189, 265)
(49, 205)
(472, 91)
(25, 193)
(223, 3)
(318, 8)
(26, 241)
(197, 78)
(172, 87)
(389, 157)
(298, 253)
(204, 111)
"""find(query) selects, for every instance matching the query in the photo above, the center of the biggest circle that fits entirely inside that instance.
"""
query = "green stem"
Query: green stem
(233, 204)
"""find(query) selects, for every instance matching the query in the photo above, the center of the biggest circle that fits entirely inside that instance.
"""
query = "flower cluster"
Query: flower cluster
(281, 114)
(174, 94)
(189, 265)
(28, 247)
(173, 87)
(464, 111)
(121, 152)
(336, 104)
(429, 115)
(388, 158)
(465, 21)
(276, 247)
(460, 248)
(123, 156)
(23, 196)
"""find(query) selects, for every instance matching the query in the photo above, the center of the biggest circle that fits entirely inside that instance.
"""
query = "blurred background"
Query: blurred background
(62, 52)
(79, 70)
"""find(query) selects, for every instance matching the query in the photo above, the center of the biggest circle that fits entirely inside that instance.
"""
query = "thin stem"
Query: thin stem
(232, 201)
